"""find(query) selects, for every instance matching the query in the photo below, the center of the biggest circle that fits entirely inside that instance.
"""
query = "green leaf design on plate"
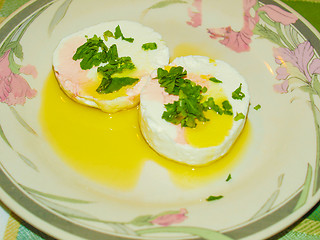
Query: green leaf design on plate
(316, 85)
(196, 231)
(142, 221)
(292, 34)
(59, 15)
(166, 3)
(8, 43)
(28, 162)
(145, 220)
(3, 136)
(265, 32)
(54, 197)
(17, 50)
(13, 45)
(306, 187)
(162, 4)
(118, 227)
(308, 89)
(123, 229)
(22, 121)
(15, 68)
(267, 206)
(316, 115)
(66, 211)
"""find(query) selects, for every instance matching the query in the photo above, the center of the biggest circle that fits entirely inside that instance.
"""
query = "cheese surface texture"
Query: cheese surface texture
(81, 85)
(209, 140)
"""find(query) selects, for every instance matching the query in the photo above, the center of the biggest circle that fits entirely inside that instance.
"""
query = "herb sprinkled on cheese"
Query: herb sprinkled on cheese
(239, 116)
(118, 34)
(149, 46)
(215, 80)
(190, 107)
(237, 94)
(94, 53)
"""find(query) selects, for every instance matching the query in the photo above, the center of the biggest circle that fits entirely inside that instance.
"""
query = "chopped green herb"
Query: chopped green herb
(213, 198)
(227, 108)
(237, 94)
(92, 53)
(115, 64)
(228, 178)
(239, 116)
(257, 107)
(172, 80)
(118, 34)
(109, 85)
(190, 107)
(211, 105)
(107, 34)
(213, 79)
(149, 46)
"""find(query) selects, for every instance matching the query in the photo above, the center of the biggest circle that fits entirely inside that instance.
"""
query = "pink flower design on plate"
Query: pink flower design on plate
(302, 58)
(238, 41)
(282, 73)
(281, 87)
(169, 219)
(14, 89)
(278, 15)
(195, 16)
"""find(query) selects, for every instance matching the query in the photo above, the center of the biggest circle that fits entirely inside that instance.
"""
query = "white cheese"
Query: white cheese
(80, 84)
(165, 137)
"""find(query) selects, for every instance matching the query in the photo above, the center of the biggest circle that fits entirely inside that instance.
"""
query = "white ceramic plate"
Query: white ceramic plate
(275, 172)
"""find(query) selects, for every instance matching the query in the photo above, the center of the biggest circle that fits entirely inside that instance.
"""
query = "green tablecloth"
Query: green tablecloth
(307, 228)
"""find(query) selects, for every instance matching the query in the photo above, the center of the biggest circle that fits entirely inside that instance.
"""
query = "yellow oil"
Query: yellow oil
(88, 88)
(214, 131)
(211, 133)
(186, 49)
(109, 148)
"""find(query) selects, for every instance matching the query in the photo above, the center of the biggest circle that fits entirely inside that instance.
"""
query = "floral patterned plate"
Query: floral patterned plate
(274, 178)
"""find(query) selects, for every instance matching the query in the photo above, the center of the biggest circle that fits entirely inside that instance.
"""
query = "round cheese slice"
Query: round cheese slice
(81, 85)
(209, 140)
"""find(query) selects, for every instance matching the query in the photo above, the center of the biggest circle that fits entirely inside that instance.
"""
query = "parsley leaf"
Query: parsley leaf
(92, 53)
(227, 108)
(237, 94)
(171, 80)
(107, 34)
(239, 116)
(211, 105)
(115, 65)
(228, 178)
(213, 79)
(213, 198)
(190, 107)
(118, 34)
(257, 107)
(109, 85)
(149, 46)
